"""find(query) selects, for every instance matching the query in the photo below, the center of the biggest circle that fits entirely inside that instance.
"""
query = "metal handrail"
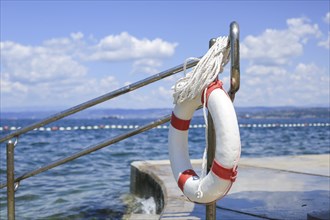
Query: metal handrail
(12, 184)
(92, 148)
(100, 99)
(234, 86)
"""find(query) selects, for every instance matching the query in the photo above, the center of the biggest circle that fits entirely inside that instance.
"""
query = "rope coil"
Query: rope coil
(205, 72)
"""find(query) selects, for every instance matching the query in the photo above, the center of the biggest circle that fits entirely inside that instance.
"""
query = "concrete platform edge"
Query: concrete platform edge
(154, 178)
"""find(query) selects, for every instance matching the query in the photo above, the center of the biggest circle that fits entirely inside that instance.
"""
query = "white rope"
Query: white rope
(205, 72)
(186, 62)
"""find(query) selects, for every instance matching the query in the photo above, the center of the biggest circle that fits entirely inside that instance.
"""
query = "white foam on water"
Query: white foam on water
(148, 206)
(137, 205)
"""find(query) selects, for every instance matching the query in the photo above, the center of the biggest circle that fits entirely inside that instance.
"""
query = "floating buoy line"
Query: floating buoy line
(107, 127)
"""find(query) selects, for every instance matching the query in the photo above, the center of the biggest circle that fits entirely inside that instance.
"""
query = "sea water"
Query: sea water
(96, 186)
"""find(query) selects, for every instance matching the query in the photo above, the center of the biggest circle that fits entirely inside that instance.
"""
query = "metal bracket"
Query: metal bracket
(234, 60)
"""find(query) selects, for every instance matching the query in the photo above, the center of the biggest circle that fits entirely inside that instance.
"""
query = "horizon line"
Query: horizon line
(52, 109)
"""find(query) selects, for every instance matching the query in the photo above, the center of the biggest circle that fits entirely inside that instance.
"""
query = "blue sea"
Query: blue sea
(96, 186)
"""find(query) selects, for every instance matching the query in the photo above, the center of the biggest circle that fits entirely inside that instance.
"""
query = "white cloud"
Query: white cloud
(159, 97)
(309, 82)
(149, 66)
(163, 95)
(325, 43)
(166, 93)
(8, 87)
(127, 47)
(27, 64)
(77, 36)
(74, 46)
(56, 70)
(307, 69)
(273, 76)
(108, 82)
(305, 84)
(92, 87)
(265, 70)
(301, 27)
(278, 47)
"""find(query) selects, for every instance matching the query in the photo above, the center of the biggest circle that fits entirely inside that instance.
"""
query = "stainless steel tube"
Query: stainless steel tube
(100, 99)
(89, 150)
(211, 211)
(10, 181)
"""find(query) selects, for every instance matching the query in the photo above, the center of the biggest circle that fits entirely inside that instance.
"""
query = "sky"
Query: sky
(58, 54)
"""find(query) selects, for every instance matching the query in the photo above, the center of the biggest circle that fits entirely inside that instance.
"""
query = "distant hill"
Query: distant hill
(242, 112)
(283, 112)
(89, 114)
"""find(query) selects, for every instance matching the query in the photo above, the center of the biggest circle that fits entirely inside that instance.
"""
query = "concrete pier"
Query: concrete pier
(291, 187)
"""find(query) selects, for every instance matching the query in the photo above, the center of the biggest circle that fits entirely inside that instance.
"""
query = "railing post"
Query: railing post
(10, 181)
(234, 87)
(210, 208)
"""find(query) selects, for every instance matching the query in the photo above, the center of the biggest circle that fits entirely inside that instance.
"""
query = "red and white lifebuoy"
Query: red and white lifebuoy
(228, 147)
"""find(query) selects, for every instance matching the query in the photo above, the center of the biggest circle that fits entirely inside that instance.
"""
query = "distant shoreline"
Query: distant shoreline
(242, 112)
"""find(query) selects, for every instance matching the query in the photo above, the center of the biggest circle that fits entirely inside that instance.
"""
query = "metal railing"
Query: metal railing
(12, 183)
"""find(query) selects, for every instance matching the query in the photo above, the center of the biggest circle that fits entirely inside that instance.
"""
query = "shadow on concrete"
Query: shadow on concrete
(272, 205)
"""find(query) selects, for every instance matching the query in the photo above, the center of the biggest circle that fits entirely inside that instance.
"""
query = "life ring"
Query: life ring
(223, 172)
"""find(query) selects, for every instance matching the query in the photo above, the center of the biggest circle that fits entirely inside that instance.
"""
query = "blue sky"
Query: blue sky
(57, 54)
